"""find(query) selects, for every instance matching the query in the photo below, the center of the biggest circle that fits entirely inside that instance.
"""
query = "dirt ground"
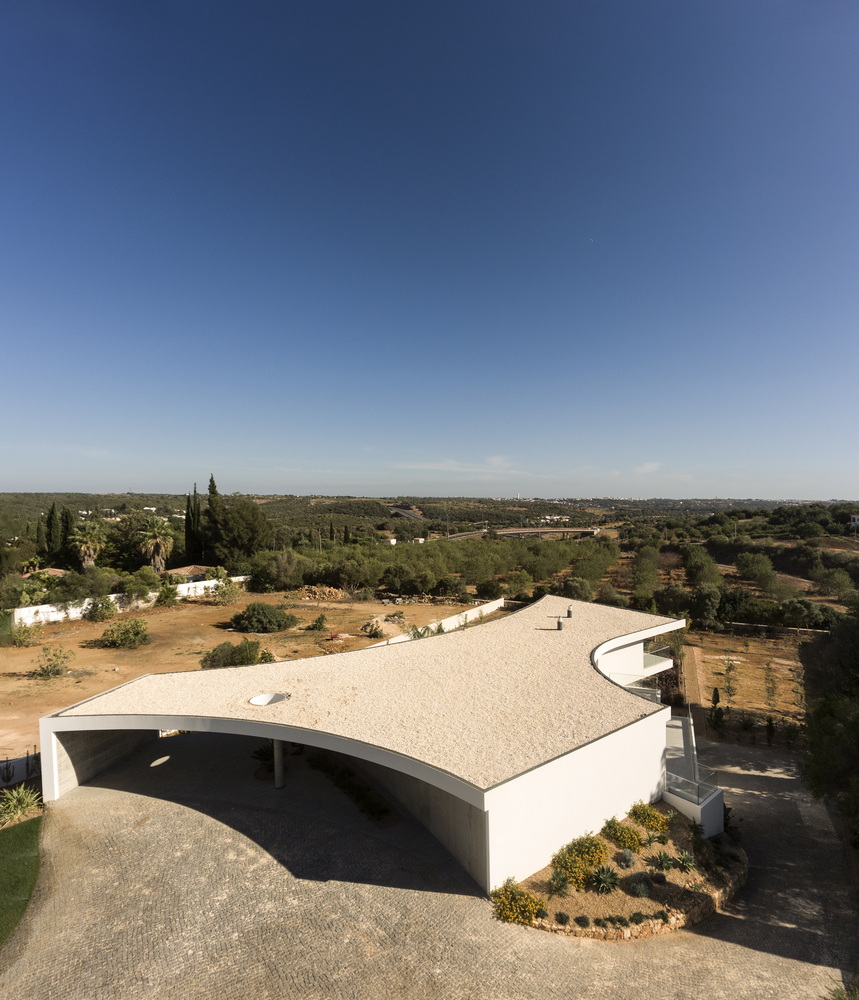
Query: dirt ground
(681, 891)
(757, 678)
(179, 637)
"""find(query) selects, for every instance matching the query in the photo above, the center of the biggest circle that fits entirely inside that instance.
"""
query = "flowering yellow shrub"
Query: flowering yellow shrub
(514, 904)
(649, 817)
(579, 858)
(623, 836)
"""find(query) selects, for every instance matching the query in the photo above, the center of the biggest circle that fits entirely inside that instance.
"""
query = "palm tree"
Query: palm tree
(87, 540)
(156, 543)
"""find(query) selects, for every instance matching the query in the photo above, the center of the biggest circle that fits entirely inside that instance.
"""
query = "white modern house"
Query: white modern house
(506, 739)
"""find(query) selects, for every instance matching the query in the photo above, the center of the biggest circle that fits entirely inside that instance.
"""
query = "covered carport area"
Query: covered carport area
(77, 749)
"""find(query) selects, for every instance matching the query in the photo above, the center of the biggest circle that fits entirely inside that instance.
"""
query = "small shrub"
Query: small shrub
(686, 860)
(622, 836)
(264, 753)
(599, 922)
(260, 617)
(658, 878)
(625, 859)
(7, 769)
(558, 884)
(542, 913)
(27, 635)
(227, 592)
(622, 921)
(663, 861)
(53, 662)
(14, 802)
(101, 609)
(612, 921)
(513, 904)
(605, 879)
(317, 625)
(640, 885)
(373, 631)
(649, 817)
(582, 920)
(579, 858)
(661, 915)
(562, 918)
(239, 654)
(125, 635)
(168, 594)
(662, 838)
(637, 918)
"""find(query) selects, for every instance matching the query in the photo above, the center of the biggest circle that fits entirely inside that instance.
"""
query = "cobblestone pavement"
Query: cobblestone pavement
(243, 892)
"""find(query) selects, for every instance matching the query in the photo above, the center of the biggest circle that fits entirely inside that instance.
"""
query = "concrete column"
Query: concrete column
(278, 763)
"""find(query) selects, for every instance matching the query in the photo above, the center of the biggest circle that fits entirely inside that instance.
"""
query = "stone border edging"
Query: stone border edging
(712, 902)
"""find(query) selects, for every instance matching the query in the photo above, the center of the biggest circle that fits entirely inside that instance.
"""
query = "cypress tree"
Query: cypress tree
(53, 532)
(67, 526)
(331, 535)
(41, 541)
(346, 536)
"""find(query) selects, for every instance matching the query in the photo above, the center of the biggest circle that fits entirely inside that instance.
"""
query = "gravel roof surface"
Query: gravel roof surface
(484, 704)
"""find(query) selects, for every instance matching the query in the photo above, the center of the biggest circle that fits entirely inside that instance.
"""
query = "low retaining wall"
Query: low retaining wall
(20, 768)
(711, 901)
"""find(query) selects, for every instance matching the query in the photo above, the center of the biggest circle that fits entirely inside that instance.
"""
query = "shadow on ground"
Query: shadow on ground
(214, 774)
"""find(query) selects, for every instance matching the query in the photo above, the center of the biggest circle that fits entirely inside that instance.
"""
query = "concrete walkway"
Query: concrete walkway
(190, 879)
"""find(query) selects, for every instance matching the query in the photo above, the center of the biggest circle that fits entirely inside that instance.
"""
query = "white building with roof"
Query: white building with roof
(506, 739)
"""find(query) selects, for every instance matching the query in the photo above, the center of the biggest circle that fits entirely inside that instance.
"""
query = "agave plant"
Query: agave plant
(605, 879)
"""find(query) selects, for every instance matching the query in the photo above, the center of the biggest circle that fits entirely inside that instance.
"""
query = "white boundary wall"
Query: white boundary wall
(454, 622)
(45, 614)
(533, 815)
(22, 768)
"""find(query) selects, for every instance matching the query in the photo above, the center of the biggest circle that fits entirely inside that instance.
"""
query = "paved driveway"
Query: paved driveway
(191, 879)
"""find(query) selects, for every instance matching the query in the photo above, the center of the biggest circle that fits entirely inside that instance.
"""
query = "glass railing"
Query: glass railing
(657, 660)
(651, 694)
(691, 791)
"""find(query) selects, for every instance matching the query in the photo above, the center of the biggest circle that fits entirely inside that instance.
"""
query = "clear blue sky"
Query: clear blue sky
(472, 247)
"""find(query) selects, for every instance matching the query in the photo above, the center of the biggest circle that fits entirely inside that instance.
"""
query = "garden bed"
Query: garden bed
(660, 887)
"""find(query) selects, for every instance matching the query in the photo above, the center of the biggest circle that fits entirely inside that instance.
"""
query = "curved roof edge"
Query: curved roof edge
(411, 766)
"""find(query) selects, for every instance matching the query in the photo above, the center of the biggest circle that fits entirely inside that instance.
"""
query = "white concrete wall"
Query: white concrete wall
(22, 768)
(44, 614)
(628, 661)
(710, 813)
(533, 815)
(454, 622)
(456, 824)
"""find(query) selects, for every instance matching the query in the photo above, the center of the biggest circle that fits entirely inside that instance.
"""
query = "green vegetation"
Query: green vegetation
(260, 617)
(649, 817)
(101, 609)
(620, 835)
(53, 662)
(19, 869)
(317, 625)
(236, 654)
(16, 802)
(128, 634)
(579, 859)
(513, 904)
(605, 879)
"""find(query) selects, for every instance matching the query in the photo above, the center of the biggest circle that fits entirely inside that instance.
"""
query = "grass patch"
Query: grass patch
(19, 868)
